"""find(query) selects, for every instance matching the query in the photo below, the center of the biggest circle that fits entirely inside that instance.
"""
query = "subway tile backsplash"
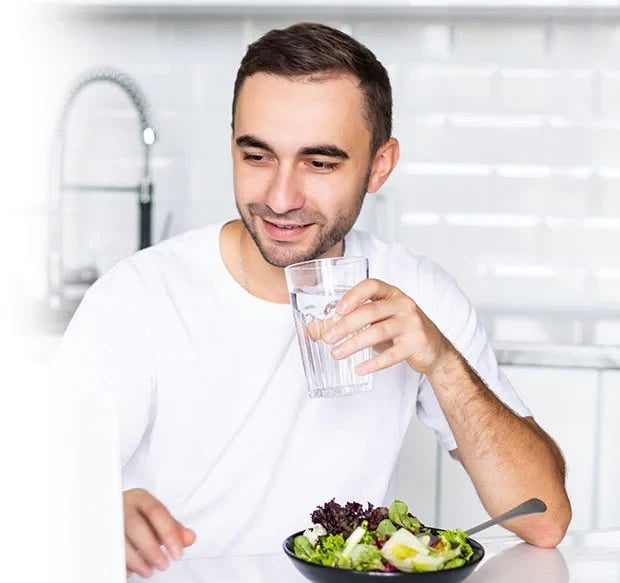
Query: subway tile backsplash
(510, 138)
(486, 42)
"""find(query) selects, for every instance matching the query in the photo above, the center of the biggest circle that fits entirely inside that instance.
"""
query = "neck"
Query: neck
(259, 277)
(256, 275)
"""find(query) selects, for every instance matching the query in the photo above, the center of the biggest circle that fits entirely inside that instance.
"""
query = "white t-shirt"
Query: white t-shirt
(214, 415)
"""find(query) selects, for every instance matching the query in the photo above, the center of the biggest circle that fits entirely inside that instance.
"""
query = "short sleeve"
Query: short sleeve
(457, 319)
(107, 351)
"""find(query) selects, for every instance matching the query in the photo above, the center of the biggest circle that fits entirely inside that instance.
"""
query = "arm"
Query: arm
(507, 457)
(107, 350)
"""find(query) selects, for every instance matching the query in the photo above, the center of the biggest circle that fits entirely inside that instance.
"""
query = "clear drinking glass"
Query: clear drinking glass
(315, 288)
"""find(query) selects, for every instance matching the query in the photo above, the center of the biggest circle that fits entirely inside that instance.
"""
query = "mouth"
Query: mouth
(285, 231)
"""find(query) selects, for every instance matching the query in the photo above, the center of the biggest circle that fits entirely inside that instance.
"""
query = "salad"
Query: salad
(379, 539)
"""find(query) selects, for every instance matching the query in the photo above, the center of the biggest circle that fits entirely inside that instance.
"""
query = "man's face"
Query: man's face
(301, 160)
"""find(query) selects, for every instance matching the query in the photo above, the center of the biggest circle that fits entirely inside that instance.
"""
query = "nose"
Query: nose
(284, 193)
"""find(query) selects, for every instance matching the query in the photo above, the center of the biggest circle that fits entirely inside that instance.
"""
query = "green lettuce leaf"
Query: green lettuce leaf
(354, 538)
(327, 551)
(454, 537)
(457, 539)
(399, 514)
(366, 558)
(303, 548)
(453, 548)
(342, 561)
(386, 528)
(454, 563)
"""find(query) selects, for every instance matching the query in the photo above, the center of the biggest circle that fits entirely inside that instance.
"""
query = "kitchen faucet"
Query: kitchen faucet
(58, 277)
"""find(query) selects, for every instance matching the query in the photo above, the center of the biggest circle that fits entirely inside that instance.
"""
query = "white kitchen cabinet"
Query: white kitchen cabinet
(564, 402)
(608, 501)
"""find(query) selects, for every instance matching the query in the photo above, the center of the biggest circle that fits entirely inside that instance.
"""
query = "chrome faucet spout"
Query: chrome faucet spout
(58, 185)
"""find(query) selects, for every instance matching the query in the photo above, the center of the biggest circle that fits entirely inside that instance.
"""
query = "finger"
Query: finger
(143, 538)
(135, 563)
(377, 333)
(313, 329)
(358, 319)
(369, 289)
(316, 328)
(166, 528)
(387, 358)
(188, 536)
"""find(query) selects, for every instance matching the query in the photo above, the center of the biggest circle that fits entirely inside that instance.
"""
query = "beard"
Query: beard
(282, 255)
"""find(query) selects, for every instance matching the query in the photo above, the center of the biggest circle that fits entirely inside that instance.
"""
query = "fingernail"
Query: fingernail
(161, 563)
(146, 572)
(176, 551)
(330, 335)
(337, 351)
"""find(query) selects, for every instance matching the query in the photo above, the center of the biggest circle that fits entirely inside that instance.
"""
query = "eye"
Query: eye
(318, 165)
(253, 157)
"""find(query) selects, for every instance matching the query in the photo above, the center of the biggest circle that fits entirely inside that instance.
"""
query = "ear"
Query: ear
(384, 162)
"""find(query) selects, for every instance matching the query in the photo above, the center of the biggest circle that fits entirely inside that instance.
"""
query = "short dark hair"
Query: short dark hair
(309, 48)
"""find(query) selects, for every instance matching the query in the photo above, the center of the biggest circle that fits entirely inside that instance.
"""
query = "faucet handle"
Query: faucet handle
(82, 275)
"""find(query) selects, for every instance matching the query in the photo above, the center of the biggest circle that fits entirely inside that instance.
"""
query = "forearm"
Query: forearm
(508, 458)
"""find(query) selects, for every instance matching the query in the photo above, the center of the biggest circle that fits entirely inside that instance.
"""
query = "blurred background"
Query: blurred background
(508, 116)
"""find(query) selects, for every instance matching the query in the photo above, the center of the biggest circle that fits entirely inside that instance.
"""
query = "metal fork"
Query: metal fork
(531, 506)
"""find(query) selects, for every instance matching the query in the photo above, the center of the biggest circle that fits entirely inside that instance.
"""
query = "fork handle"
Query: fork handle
(531, 506)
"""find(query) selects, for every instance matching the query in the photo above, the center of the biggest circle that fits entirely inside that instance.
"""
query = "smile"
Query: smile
(283, 232)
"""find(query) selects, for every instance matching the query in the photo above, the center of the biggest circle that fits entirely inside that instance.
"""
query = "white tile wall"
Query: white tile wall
(584, 43)
(476, 41)
(405, 41)
(610, 93)
(494, 118)
(545, 90)
(430, 87)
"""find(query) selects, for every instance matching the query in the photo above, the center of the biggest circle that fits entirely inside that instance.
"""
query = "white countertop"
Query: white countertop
(583, 557)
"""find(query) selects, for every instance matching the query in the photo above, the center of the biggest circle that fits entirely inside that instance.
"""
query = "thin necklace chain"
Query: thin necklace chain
(244, 275)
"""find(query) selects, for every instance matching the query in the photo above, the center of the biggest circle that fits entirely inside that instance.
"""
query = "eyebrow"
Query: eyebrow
(329, 150)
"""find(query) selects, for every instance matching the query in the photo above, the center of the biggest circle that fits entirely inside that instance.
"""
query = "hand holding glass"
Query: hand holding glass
(315, 288)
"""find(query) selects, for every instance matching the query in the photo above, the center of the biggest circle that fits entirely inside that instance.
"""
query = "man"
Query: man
(195, 338)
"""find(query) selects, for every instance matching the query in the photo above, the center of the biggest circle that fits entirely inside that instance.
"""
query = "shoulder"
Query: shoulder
(190, 246)
(431, 287)
(151, 267)
(394, 263)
